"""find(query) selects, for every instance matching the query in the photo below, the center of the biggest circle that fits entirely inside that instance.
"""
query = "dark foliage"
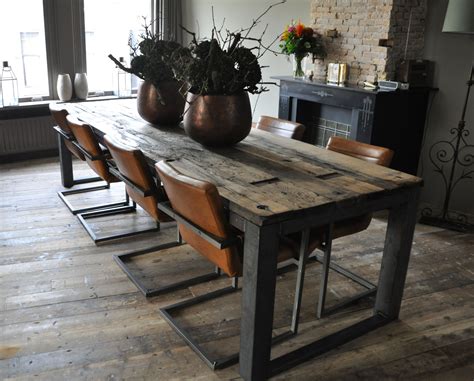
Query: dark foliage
(222, 65)
(208, 69)
(151, 58)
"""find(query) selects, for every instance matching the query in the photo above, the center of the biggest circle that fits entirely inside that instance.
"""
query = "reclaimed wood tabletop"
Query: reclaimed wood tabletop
(265, 178)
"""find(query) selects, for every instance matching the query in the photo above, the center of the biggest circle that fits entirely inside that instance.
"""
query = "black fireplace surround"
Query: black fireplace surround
(389, 119)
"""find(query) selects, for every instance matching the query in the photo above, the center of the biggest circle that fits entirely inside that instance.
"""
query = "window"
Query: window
(110, 35)
(22, 44)
(42, 38)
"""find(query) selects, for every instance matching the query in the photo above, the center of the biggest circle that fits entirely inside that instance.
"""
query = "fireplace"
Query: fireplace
(390, 119)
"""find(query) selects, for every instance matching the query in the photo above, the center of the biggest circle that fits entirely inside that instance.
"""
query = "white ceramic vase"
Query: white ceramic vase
(81, 86)
(64, 87)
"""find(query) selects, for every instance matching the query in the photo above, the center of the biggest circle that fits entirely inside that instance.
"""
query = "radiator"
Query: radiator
(27, 135)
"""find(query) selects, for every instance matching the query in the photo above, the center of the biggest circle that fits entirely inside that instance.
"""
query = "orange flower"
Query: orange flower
(299, 29)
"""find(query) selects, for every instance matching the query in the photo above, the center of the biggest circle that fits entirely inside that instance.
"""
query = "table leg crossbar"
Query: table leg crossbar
(326, 344)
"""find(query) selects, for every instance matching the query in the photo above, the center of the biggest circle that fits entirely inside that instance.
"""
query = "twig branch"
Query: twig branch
(257, 20)
(124, 68)
(191, 33)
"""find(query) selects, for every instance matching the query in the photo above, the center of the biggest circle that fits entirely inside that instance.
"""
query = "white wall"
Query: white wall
(453, 55)
(240, 13)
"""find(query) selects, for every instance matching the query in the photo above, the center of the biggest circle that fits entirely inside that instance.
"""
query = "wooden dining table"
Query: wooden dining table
(274, 186)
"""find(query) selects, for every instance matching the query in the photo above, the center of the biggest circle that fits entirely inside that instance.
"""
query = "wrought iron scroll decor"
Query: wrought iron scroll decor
(453, 160)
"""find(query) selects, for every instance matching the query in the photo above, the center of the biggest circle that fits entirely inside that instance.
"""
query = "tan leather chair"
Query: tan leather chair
(321, 238)
(99, 160)
(373, 154)
(59, 114)
(133, 170)
(197, 208)
(90, 148)
(281, 127)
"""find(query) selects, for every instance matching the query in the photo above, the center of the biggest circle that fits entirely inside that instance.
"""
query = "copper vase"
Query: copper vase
(167, 111)
(218, 120)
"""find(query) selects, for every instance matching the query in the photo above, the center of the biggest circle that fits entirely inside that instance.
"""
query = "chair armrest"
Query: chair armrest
(144, 193)
(211, 238)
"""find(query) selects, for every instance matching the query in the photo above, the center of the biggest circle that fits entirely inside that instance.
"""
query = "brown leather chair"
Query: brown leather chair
(59, 114)
(133, 170)
(198, 210)
(99, 161)
(373, 154)
(281, 127)
(321, 238)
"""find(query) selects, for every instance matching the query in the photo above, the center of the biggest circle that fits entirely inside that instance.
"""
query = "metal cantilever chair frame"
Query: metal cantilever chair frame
(214, 362)
(106, 209)
(113, 211)
(63, 194)
(325, 260)
(121, 259)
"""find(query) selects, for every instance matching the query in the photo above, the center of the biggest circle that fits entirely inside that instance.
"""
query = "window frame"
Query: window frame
(65, 40)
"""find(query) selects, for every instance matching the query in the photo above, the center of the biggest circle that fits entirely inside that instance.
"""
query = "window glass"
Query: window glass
(109, 25)
(22, 44)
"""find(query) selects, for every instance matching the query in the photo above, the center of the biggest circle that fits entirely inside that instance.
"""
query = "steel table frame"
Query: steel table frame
(258, 292)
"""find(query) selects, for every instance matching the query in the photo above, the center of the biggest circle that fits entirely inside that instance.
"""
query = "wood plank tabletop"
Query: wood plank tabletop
(266, 178)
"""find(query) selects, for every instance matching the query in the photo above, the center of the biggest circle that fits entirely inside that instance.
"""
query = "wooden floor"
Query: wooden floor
(67, 312)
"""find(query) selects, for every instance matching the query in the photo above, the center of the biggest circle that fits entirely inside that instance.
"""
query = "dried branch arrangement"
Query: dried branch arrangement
(223, 65)
(151, 58)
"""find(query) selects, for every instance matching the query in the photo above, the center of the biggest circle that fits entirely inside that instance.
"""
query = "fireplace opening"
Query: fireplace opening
(323, 121)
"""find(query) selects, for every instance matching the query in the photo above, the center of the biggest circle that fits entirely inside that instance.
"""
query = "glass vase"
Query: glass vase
(300, 64)
(124, 81)
(8, 87)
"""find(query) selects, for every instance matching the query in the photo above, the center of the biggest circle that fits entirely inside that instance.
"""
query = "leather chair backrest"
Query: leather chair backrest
(281, 127)
(374, 154)
(132, 164)
(199, 202)
(59, 115)
(86, 139)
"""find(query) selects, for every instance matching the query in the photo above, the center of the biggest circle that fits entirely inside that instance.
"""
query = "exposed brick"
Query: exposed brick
(362, 23)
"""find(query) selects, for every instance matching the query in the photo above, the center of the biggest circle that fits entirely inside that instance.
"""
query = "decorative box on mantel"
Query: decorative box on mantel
(390, 119)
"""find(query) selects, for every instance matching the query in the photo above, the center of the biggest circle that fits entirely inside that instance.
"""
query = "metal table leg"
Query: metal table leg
(65, 160)
(396, 254)
(258, 299)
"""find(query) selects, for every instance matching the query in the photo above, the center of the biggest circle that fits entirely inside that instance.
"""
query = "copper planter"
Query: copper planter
(168, 111)
(218, 120)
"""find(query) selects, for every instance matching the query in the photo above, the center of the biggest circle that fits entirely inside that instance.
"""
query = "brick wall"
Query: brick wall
(362, 24)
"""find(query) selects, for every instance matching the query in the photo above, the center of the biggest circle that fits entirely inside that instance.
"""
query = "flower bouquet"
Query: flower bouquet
(300, 41)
